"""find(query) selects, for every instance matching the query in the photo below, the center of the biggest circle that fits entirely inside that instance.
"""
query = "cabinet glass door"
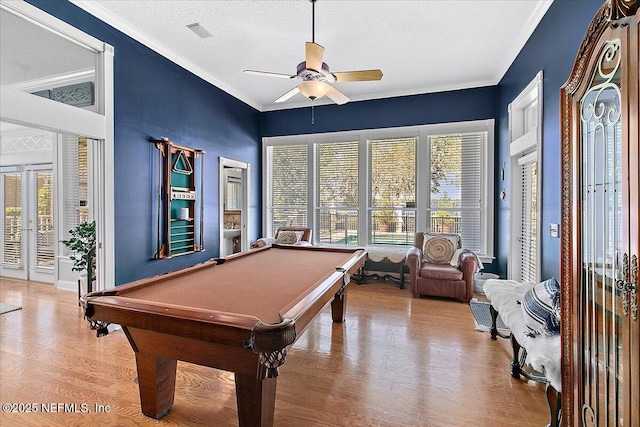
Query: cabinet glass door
(602, 243)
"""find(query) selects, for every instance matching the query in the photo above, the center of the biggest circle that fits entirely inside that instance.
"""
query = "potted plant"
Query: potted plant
(82, 245)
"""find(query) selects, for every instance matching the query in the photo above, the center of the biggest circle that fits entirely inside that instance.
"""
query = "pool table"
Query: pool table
(239, 314)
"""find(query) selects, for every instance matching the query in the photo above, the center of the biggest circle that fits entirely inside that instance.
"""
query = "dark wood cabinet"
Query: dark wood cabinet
(600, 231)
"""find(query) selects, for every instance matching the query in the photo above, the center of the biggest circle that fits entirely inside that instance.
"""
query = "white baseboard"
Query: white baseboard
(69, 286)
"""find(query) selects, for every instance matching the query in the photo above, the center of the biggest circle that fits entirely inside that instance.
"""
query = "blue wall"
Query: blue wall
(156, 98)
(440, 107)
(551, 48)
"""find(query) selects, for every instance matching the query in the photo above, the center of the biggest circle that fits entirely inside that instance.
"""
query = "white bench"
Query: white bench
(540, 351)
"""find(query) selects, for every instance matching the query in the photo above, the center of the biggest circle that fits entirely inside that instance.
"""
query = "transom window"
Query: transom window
(378, 187)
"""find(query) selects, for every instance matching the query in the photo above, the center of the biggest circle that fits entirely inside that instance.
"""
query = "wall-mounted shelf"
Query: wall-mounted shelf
(180, 200)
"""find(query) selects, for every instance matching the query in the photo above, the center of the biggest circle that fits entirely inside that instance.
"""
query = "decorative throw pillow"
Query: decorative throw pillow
(286, 238)
(439, 248)
(541, 308)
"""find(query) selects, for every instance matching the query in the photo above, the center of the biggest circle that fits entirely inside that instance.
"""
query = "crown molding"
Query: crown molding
(113, 20)
(522, 38)
(106, 16)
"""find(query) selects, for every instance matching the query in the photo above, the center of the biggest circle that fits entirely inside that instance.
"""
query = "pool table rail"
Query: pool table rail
(230, 328)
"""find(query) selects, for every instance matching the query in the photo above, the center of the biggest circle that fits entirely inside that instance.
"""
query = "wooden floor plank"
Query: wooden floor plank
(396, 361)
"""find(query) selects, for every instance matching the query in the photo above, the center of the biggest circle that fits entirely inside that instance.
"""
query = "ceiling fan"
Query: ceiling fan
(315, 74)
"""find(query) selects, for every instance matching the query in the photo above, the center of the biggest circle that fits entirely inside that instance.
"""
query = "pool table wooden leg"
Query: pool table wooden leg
(256, 399)
(338, 305)
(157, 383)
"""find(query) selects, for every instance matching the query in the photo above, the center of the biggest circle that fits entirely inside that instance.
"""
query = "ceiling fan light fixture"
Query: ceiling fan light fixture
(315, 76)
(313, 89)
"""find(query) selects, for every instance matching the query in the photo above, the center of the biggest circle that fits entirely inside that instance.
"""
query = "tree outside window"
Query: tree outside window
(392, 168)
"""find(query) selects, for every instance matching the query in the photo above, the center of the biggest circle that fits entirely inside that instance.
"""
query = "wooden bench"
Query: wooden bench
(540, 351)
(383, 259)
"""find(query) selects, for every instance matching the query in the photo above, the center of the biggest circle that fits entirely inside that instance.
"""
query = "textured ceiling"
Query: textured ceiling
(31, 53)
(421, 46)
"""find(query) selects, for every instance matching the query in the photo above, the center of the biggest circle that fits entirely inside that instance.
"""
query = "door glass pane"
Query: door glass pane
(12, 224)
(41, 62)
(601, 241)
(75, 192)
(45, 243)
(528, 229)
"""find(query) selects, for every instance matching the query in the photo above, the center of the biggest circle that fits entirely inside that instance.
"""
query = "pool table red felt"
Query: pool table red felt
(238, 314)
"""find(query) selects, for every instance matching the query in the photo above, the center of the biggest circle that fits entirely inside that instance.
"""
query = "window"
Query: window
(337, 192)
(12, 227)
(392, 189)
(457, 193)
(377, 187)
(528, 221)
(76, 177)
(286, 186)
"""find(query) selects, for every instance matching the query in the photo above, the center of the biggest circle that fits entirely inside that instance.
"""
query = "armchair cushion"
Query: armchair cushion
(292, 235)
(287, 237)
(439, 248)
(303, 234)
(440, 272)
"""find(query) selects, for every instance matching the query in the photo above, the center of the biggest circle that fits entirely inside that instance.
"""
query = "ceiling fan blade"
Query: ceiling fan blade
(288, 95)
(337, 96)
(269, 74)
(314, 54)
(358, 76)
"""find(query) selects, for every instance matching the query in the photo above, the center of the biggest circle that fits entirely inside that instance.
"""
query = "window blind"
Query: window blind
(337, 192)
(76, 179)
(287, 186)
(12, 224)
(392, 178)
(41, 196)
(379, 201)
(529, 223)
(458, 187)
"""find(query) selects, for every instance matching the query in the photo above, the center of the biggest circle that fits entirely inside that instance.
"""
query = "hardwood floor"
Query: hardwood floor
(396, 361)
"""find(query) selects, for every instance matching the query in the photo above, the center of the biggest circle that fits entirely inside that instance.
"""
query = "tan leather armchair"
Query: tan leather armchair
(440, 278)
(303, 237)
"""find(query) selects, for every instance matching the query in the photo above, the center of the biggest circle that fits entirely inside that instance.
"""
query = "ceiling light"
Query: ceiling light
(313, 89)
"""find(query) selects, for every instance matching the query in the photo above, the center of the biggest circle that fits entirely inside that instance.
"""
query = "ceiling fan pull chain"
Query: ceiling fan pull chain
(312, 114)
(313, 21)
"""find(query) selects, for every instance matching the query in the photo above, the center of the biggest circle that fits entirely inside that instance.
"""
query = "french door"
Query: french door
(27, 223)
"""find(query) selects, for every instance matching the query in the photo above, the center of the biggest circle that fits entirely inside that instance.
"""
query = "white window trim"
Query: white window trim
(29, 110)
(524, 147)
(422, 167)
